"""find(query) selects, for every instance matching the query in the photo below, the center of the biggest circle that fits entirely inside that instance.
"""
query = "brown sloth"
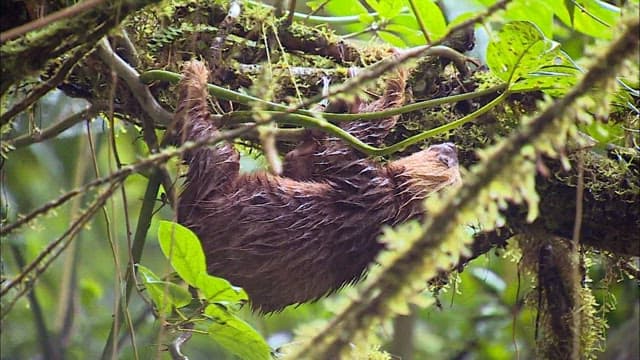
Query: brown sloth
(295, 238)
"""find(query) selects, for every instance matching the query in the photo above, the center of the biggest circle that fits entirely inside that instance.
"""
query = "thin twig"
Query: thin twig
(146, 100)
(49, 352)
(53, 130)
(42, 89)
(53, 250)
(125, 171)
(223, 93)
(68, 285)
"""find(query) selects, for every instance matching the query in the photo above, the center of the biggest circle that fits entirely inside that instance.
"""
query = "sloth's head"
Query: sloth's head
(431, 169)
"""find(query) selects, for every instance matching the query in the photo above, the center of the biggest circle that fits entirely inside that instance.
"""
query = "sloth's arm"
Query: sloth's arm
(319, 156)
(211, 168)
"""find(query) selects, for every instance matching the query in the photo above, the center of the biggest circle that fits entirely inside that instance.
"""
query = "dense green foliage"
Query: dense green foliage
(69, 300)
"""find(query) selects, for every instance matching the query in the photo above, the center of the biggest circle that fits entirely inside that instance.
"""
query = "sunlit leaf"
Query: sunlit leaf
(182, 247)
(535, 11)
(432, 17)
(521, 56)
(349, 8)
(410, 36)
(344, 7)
(235, 335)
(387, 9)
(315, 4)
(215, 289)
(592, 17)
(392, 38)
(184, 250)
(164, 294)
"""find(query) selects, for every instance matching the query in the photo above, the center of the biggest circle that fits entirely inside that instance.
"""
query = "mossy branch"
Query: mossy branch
(30, 53)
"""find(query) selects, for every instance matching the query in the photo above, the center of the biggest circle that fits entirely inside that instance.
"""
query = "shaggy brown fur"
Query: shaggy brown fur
(295, 238)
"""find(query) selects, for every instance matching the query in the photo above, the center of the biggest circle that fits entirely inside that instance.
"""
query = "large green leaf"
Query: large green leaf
(592, 17)
(432, 17)
(219, 290)
(235, 335)
(521, 56)
(344, 7)
(386, 9)
(536, 11)
(165, 295)
(182, 247)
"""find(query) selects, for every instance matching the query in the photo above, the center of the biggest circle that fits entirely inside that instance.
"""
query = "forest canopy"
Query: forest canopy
(533, 253)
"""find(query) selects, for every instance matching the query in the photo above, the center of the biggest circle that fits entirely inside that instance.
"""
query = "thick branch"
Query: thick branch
(30, 53)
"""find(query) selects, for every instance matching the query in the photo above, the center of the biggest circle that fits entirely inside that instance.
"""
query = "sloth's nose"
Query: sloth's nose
(447, 153)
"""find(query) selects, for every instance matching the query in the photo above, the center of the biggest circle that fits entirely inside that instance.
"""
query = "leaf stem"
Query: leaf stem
(218, 91)
(423, 28)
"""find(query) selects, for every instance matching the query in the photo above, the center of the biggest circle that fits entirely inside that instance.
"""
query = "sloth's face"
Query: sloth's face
(446, 153)
(433, 168)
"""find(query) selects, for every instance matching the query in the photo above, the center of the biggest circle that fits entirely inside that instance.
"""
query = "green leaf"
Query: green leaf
(554, 80)
(392, 38)
(535, 11)
(570, 5)
(432, 17)
(165, 295)
(235, 335)
(219, 290)
(521, 56)
(409, 35)
(314, 4)
(592, 17)
(182, 247)
(386, 9)
(345, 7)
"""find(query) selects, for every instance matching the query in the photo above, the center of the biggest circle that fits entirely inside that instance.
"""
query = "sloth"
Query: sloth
(303, 235)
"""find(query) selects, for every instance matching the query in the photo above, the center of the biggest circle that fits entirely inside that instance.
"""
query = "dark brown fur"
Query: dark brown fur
(295, 238)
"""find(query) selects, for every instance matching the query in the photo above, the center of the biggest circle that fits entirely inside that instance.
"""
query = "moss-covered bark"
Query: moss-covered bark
(30, 53)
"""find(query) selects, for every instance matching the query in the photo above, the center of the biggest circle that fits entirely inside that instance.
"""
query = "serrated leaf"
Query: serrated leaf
(235, 335)
(521, 56)
(165, 295)
(553, 80)
(182, 247)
